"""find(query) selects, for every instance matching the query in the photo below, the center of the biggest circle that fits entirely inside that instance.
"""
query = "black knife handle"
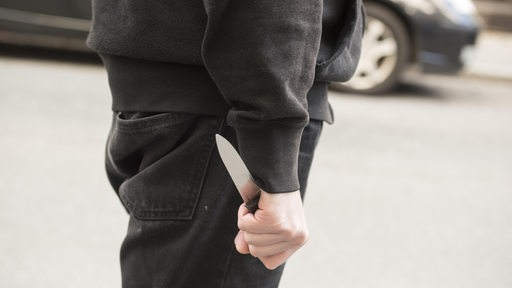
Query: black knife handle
(252, 205)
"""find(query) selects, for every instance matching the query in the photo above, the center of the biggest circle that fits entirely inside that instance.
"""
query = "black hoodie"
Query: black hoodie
(266, 63)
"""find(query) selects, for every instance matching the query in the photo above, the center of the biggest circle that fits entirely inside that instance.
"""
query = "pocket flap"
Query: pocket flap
(343, 63)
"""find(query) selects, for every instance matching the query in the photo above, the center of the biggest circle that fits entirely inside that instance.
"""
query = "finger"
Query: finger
(263, 239)
(242, 211)
(255, 223)
(274, 249)
(240, 243)
(246, 219)
(274, 261)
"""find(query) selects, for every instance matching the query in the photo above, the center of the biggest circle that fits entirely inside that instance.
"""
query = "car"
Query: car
(61, 24)
(437, 35)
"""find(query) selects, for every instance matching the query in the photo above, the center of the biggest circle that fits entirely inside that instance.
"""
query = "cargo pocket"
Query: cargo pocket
(157, 162)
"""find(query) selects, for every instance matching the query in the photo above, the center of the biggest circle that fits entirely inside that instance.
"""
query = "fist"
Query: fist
(275, 231)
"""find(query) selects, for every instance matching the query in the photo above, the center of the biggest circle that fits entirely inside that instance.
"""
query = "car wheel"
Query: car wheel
(385, 52)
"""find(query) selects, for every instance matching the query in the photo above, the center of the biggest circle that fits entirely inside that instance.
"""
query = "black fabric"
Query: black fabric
(133, 80)
(183, 205)
(263, 57)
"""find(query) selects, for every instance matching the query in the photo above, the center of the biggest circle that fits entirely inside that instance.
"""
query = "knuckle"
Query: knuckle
(248, 238)
(268, 263)
(270, 266)
(289, 233)
(284, 230)
(271, 262)
(254, 251)
(302, 237)
(241, 224)
(293, 233)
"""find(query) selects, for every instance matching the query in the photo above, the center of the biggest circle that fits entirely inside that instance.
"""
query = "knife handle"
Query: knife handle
(252, 205)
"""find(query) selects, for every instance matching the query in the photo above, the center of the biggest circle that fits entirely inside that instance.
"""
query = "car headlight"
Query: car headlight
(459, 11)
(465, 7)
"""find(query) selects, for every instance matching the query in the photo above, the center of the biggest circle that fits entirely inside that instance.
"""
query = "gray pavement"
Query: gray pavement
(413, 190)
(60, 225)
(491, 56)
(408, 190)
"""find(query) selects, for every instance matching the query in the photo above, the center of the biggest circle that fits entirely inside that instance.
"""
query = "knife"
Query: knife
(239, 173)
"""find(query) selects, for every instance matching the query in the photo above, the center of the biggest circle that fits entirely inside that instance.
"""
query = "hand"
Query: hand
(275, 231)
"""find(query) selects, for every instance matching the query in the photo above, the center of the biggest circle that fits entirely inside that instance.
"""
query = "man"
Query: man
(255, 71)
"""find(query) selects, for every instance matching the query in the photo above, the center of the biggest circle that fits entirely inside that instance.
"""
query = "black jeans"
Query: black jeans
(182, 204)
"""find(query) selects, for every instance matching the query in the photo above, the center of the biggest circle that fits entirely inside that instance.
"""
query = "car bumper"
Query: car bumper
(35, 29)
(444, 47)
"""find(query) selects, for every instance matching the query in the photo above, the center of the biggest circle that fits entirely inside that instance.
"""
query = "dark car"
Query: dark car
(436, 34)
(49, 23)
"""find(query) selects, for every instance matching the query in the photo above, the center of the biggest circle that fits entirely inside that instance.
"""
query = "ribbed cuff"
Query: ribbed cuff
(271, 154)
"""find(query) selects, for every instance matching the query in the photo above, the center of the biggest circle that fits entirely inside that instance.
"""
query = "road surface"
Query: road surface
(411, 189)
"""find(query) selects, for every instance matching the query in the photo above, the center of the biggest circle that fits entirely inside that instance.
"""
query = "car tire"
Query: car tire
(385, 52)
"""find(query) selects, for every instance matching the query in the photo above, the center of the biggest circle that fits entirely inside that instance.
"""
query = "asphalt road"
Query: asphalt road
(411, 189)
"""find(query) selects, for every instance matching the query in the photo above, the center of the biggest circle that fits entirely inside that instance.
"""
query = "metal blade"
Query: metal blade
(238, 172)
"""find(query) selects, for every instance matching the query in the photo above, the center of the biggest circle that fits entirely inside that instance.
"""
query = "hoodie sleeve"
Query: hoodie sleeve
(261, 55)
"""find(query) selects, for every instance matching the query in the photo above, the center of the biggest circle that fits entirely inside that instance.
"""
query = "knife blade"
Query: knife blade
(239, 173)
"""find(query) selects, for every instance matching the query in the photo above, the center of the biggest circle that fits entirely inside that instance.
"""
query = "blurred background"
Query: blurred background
(411, 187)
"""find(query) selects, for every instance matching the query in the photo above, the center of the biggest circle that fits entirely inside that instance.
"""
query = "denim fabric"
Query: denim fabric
(182, 203)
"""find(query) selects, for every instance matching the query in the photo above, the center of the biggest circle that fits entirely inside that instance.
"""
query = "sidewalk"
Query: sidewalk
(491, 56)
(496, 14)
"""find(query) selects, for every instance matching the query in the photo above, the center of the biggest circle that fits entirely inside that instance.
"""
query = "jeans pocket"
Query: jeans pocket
(157, 162)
